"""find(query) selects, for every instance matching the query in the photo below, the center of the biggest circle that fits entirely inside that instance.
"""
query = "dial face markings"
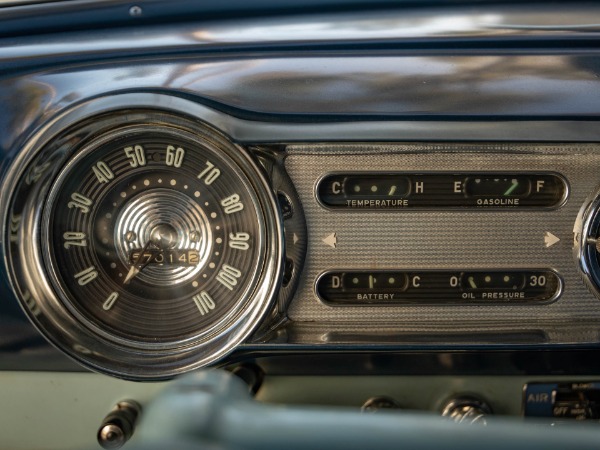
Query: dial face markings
(209, 174)
(150, 328)
(228, 276)
(232, 204)
(74, 238)
(110, 301)
(103, 172)
(137, 155)
(115, 197)
(174, 156)
(87, 275)
(81, 202)
(204, 302)
(239, 241)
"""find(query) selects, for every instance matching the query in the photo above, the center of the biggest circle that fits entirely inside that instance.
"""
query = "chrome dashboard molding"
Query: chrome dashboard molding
(389, 22)
(250, 132)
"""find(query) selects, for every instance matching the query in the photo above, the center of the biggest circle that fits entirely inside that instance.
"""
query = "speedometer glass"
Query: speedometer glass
(152, 236)
(158, 240)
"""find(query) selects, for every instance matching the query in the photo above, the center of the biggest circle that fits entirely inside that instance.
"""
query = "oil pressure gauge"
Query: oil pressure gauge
(159, 243)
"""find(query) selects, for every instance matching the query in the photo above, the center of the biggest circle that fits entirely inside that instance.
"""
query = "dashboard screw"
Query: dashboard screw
(135, 11)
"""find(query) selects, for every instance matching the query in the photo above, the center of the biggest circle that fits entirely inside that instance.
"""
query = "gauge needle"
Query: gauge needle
(514, 185)
(471, 281)
(133, 271)
(136, 267)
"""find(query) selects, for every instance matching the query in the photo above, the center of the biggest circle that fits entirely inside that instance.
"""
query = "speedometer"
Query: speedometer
(153, 236)
(160, 243)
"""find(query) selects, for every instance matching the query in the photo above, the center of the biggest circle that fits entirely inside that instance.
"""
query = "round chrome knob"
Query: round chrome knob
(118, 426)
(111, 436)
(467, 410)
(375, 404)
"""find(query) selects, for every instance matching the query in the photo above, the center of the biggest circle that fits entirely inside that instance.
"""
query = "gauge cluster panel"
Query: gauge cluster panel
(143, 241)
(468, 239)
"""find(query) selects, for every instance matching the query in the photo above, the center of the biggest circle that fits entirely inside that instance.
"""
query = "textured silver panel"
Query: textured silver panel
(471, 239)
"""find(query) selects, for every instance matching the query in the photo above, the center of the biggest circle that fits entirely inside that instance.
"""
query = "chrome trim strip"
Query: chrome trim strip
(392, 24)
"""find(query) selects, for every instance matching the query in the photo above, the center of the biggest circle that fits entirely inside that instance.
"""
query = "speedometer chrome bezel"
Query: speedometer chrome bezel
(48, 253)
(44, 304)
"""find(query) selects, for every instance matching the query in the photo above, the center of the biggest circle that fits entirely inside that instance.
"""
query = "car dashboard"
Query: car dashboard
(388, 207)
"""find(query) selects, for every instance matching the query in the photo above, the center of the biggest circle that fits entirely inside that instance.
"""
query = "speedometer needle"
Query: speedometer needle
(133, 271)
(136, 267)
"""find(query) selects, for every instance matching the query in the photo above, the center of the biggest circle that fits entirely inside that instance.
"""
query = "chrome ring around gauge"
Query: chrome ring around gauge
(159, 244)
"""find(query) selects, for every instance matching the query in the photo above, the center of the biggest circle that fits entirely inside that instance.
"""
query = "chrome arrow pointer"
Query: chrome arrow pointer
(550, 239)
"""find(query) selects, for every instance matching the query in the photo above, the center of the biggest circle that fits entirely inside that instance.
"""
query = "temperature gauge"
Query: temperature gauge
(400, 191)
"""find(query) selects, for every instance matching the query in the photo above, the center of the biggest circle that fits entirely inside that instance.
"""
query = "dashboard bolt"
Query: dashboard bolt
(135, 11)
